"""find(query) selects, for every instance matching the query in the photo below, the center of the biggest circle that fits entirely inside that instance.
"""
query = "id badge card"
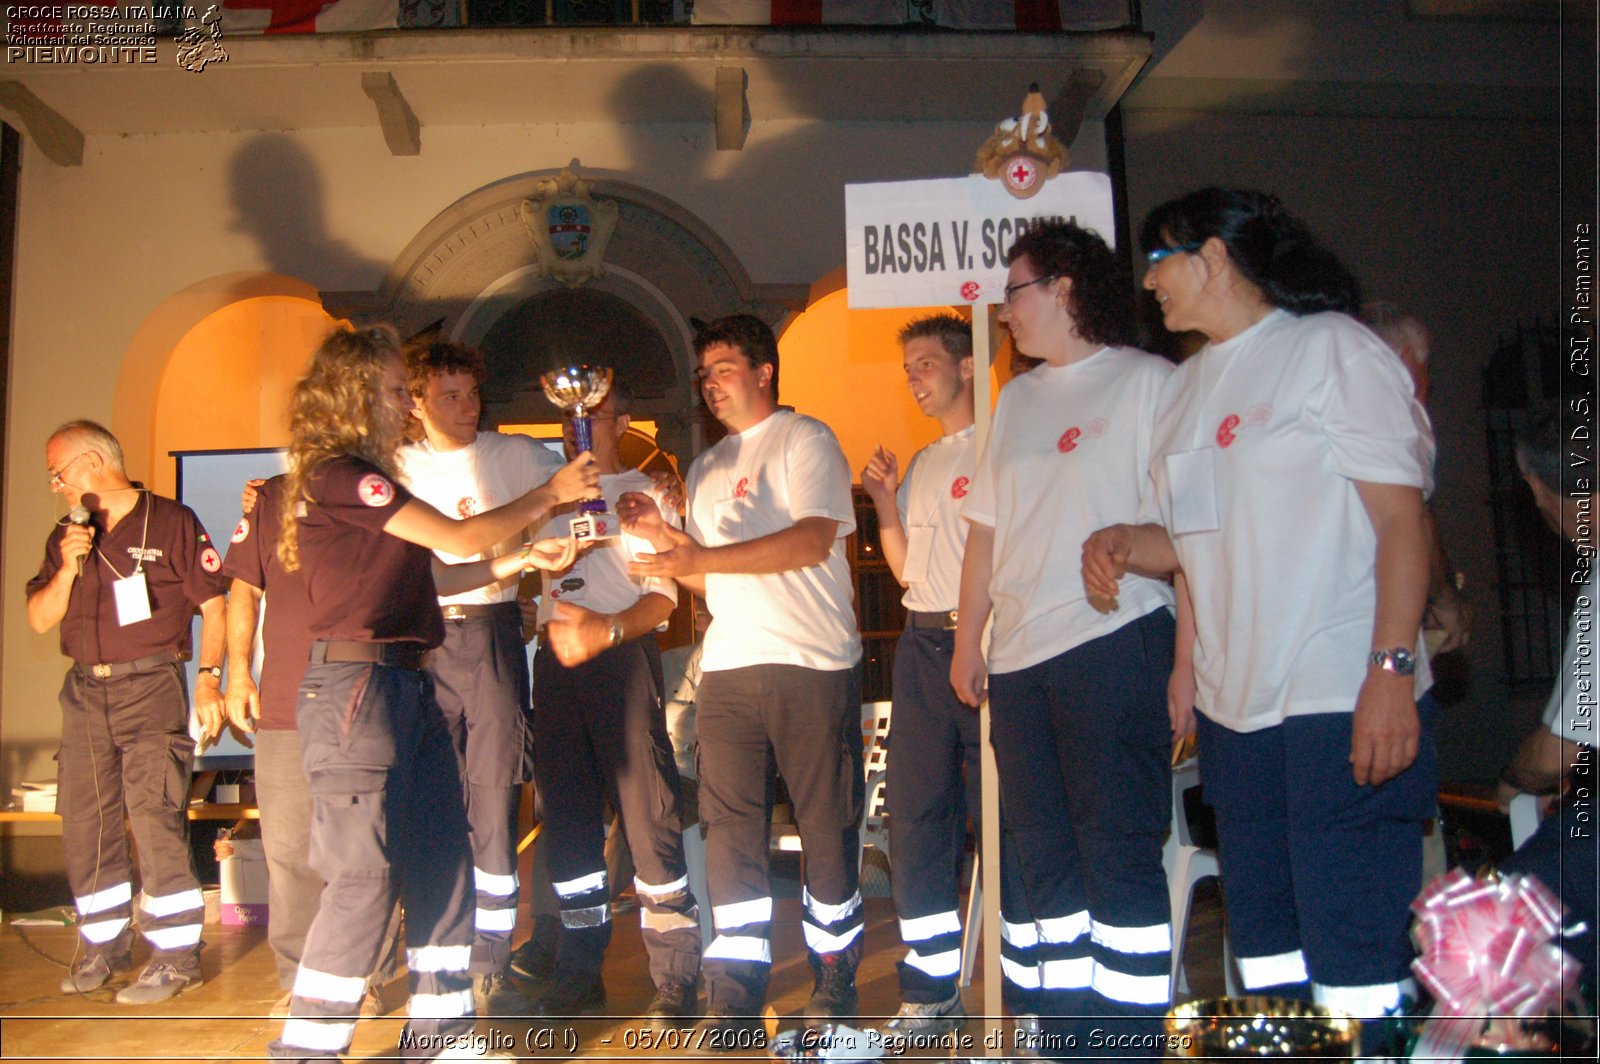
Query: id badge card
(919, 548)
(1192, 476)
(133, 598)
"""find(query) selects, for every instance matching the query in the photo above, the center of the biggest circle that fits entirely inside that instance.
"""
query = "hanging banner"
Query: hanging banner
(934, 243)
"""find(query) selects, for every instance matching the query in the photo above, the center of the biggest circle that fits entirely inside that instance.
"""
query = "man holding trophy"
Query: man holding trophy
(769, 509)
(481, 672)
(599, 728)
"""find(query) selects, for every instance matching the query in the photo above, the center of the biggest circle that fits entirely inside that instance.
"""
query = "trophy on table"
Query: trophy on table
(576, 390)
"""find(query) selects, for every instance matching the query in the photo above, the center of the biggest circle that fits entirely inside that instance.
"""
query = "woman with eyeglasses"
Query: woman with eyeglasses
(1077, 686)
(1286, 484)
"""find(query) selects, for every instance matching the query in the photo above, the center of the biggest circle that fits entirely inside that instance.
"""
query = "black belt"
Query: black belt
(943, 619)
(407, 655)
(466, 611)
(103, 671)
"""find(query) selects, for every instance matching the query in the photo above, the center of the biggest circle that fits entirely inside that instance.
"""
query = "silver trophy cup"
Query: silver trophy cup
(576, 390)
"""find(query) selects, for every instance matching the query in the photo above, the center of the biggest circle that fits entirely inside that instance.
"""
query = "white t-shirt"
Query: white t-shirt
(1570, 713)
(1066, 456)
(491, 471)
(1258, 444)
(929, 501)
(599, 579)
(754, 483)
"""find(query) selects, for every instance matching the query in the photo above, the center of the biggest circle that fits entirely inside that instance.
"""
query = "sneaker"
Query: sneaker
(673, 1006)
(725, 1031)
(915, 1019)
(833, 997)
(495, 994)
(565, 998)
(91, 973)
(159, 981)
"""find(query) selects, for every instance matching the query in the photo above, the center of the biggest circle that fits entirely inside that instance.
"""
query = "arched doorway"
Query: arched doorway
(474, 274)
(211, 368)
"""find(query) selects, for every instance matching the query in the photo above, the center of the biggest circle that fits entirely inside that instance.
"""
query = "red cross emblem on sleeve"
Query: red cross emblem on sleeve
(375, 490)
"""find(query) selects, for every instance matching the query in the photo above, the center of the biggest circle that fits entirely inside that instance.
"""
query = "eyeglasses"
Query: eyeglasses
(1012, 289)
(55, 475)
(1158, 254)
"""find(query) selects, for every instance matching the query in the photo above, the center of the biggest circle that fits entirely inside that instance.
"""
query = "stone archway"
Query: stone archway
(149, 404)
(473, 274)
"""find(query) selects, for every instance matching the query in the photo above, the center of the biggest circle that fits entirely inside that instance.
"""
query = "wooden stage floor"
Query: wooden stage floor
(226, 1018)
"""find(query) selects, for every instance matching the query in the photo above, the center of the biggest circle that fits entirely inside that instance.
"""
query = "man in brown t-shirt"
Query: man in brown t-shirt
(122, 575)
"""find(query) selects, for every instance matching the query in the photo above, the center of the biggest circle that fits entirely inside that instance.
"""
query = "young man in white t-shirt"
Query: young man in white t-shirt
(599, 730)
(480, 673)
(769, 510)
(933, 761)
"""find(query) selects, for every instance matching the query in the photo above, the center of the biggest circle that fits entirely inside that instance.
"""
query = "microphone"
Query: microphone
(79, 515)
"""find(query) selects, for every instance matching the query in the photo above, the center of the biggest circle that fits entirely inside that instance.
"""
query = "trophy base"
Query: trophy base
(595, 527)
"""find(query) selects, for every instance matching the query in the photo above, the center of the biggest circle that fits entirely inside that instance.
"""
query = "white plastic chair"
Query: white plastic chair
(874, 827)
(1186, 864)
(1525, 817)
(972, 926)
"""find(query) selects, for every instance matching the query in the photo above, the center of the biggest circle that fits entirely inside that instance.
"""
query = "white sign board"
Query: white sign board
(932, 243)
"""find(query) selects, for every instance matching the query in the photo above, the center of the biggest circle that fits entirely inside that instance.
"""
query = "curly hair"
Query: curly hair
(1102, 290)
(428, 359)
(338, 408)
(1272, 249)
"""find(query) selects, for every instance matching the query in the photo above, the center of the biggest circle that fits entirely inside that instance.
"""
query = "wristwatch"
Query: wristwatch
(215, 670)
(616, 633)
(1398, 660)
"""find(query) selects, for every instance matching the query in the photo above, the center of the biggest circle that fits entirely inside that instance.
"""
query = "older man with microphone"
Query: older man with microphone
(123, 575)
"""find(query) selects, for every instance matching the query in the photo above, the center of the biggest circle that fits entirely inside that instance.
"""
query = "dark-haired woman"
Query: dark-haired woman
(387, 808)
(1287, 476)
(1077, 688)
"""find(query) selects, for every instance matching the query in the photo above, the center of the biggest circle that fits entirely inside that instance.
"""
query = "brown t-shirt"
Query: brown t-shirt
(364, 584)
(286, 623)
(181, 570)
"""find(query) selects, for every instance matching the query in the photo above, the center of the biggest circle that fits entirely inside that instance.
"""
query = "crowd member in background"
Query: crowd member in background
(1557, 757)
(1286, 481)
(1077, 687)
(769, 511)
(480, 673)
(388, 814)
(600, 733)
(1448, 620)
(933, 773)
(122, 575)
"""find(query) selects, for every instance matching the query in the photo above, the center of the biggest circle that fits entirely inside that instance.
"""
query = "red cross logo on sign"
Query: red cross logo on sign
(1021, 173)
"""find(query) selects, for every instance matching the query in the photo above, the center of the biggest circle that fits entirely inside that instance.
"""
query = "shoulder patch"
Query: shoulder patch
(375, 490)
(210, 560)
(241, 533)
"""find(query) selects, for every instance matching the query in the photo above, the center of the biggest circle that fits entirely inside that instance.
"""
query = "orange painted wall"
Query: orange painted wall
(228, 381)
(844, 367)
